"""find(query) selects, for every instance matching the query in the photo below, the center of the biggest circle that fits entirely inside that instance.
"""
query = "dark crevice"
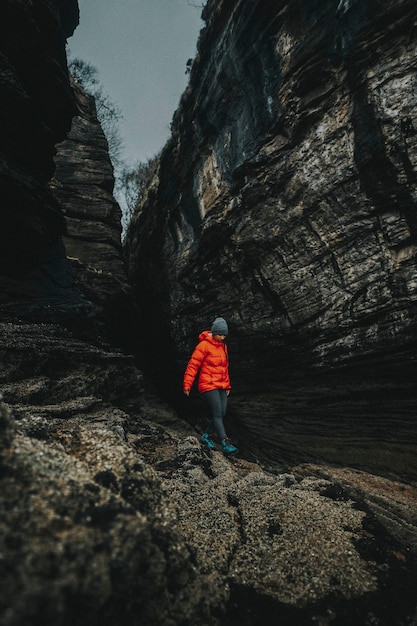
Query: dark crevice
(377, 174)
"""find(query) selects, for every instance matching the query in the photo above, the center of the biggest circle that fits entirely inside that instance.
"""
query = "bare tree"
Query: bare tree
(109, 115)
(84, 73)
(134, 180)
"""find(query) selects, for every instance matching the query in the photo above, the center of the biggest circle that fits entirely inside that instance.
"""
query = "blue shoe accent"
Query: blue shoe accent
(228, 448)
(206, 439)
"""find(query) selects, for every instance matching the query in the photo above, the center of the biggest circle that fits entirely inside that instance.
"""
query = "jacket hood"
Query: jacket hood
(207, 335)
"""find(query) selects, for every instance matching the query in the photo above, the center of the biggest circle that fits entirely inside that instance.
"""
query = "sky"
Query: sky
(140, 49)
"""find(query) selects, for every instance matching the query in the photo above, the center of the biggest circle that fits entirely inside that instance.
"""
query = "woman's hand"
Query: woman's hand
(187, 392)
(227, 392)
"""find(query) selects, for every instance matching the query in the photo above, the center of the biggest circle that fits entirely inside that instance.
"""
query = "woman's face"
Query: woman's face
(219, 337)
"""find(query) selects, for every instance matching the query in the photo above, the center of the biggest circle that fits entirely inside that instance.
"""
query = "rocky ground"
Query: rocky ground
(113, 512)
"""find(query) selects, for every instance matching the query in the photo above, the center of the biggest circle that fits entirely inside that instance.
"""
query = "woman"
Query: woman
(210, 358)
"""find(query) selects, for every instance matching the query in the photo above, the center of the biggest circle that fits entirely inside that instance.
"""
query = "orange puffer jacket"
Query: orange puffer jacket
(211, 358)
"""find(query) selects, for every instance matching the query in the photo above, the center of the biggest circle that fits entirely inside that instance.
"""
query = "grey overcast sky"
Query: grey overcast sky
(140, 49)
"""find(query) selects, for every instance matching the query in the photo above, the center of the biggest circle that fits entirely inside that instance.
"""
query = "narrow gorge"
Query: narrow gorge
(284, 200)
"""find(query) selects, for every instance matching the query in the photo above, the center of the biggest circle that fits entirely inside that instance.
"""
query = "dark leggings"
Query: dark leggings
(217, 401)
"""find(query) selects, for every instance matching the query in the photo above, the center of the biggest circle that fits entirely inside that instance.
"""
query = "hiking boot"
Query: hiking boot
(206, 439)
(228, 447)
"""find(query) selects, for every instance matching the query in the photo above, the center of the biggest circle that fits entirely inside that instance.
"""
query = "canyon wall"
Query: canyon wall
(286, 202)
(108, 499)
(36, 105)
(49, 270)
(83, 184)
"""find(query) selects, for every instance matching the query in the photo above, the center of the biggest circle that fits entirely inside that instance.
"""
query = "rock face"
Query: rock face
(83, 185)
(36, 107)
(286, 202)
(38, 282)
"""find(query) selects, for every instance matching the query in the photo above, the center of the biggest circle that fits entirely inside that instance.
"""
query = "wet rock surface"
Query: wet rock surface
(285, 201)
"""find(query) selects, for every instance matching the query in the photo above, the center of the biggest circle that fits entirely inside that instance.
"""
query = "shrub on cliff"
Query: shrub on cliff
(134, 180)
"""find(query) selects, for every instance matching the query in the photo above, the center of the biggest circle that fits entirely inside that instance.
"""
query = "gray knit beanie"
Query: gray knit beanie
(219, 327)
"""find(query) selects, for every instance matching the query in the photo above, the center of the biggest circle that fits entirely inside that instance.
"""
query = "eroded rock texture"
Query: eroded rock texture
(113, 512)
(83, 183)
(286, 201)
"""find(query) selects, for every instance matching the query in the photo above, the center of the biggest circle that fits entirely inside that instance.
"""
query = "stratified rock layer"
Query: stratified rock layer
(286, 202)
(83, 184)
